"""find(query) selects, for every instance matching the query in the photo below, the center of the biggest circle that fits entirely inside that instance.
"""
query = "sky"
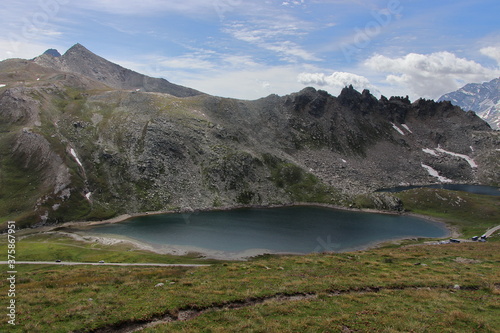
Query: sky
(251, 49)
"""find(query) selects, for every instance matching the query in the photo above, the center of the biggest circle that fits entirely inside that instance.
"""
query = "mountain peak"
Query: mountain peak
(52, 52)
(77, 47)
(79, 50)
(79, 60)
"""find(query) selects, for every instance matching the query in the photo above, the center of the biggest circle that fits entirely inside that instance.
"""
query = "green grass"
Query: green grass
(19, 184)
(411, 310)
(299, 184)
(416, 284)
(57, 298)
(50, 247)
(471, 213)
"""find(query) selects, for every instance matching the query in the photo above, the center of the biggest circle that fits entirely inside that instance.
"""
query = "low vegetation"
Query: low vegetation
(302, 186)
(471, 213)
(363, 291)
(410, 288)
(423, 310)
(18, 191)
(51, 247)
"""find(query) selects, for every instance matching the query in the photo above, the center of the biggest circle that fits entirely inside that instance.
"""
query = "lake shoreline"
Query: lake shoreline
(220, 255)
(125, 217)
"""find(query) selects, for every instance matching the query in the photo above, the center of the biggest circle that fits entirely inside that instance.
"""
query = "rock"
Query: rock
(386, 201)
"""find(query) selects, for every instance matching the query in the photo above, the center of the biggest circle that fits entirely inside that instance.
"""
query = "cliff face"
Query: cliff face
(74, 148)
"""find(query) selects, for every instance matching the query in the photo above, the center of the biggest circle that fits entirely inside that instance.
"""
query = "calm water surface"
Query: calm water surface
(273, 230)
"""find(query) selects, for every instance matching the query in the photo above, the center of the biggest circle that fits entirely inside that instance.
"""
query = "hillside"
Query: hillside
(78, 141)
(79, 60)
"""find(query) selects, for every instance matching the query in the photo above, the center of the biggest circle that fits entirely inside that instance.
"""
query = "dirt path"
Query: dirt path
(193, 311)
(491, 231)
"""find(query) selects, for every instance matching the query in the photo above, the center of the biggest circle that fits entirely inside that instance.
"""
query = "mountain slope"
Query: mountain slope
(74, 148)
(483, 98)
(81, 61)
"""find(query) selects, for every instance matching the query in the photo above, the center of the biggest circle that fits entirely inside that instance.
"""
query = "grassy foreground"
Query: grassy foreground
(417, 278)
(389, 289)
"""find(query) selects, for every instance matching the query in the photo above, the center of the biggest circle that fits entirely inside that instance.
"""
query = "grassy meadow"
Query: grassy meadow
(410, 288)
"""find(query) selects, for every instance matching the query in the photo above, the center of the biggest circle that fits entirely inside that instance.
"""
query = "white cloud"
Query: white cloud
(290, 51)
(187, 62)
(239, 61)
(492, 52)
(154, 7)
(18, 47)
(250, 83)
(223, 75)
(430, 75)
(30, 27)
(200, 62)
(293, 3)
(279, 34)
(336, 81)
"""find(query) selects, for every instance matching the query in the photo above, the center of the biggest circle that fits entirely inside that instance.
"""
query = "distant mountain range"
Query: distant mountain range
(482, 98)
(82, 138)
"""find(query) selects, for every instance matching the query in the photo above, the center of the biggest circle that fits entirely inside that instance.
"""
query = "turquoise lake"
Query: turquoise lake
(272, 230)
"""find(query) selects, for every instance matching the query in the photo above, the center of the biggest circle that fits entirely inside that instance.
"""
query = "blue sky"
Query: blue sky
(250, 49)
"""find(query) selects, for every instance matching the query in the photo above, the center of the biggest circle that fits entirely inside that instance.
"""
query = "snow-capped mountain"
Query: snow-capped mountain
(482, 98)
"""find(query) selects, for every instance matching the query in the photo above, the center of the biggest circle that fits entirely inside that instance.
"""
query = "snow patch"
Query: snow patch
(344, 161)
(398, 129)
(87, 195)
(430, 151)
(469, 160)
(434, 173)
(72, 151)
(2, 85)
(407, 128)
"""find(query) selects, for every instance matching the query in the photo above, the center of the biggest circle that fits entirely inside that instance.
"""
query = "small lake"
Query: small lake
(476, 189)
(271, 230)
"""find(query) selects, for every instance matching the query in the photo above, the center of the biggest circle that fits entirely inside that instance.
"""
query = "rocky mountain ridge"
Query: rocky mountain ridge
(73, 146)
(482, 98)
(80, 60)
